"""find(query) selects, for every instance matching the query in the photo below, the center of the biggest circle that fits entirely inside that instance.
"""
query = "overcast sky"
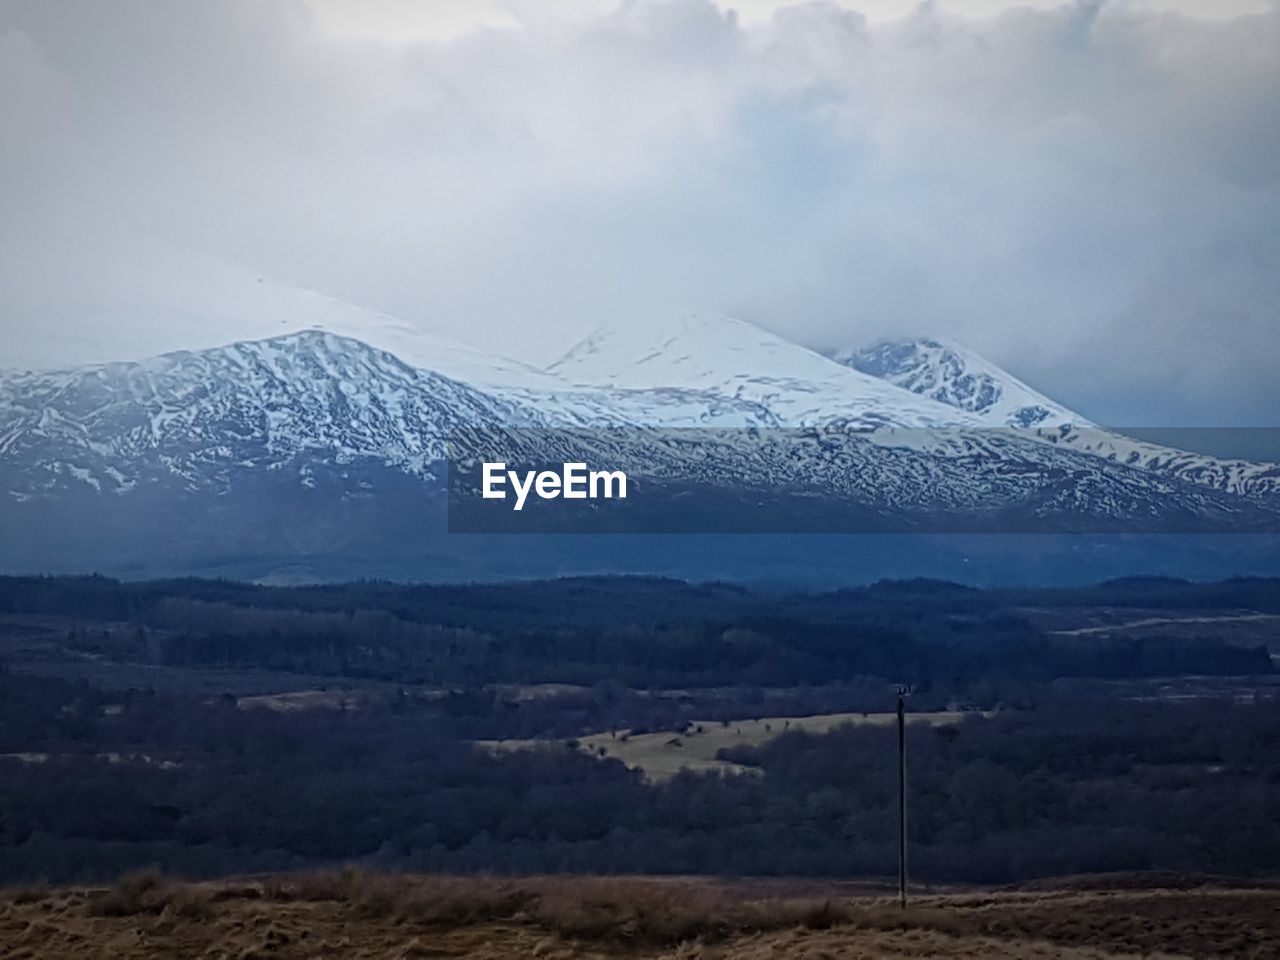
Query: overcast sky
(1087, 193)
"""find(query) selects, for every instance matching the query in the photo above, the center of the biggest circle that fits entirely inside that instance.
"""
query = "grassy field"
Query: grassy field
(355, 914)
(1239, 627)
(662, 755)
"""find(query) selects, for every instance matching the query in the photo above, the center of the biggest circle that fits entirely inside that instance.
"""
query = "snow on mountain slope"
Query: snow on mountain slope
(204, 417)
(958, 377)
(952, 374)
(698, 372)
(335, 415)
(738, 360)
(200, 416)
(315, 401)
(257, 306)
(1230, 475)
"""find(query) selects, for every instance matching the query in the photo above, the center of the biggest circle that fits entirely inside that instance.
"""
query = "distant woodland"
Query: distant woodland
(128, 734)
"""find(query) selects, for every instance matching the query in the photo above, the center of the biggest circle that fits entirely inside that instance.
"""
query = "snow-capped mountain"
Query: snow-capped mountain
(286, 424)
(325, 409)
(310, 455)
(949, 373)
(198, 418)
(958, 377)
(734, 359)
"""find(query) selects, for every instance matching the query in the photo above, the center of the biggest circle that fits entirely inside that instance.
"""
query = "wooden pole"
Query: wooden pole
(902, 798)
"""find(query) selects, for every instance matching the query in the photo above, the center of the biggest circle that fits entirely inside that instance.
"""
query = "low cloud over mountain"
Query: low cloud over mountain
(1087, 193)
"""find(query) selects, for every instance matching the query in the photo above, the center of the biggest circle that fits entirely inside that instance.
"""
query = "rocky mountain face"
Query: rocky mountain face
(950, 374)
(320, 441)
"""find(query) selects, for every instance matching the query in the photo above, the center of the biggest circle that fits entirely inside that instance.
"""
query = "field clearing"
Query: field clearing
(1241, 627)
(294, 701)
(366, 915)
(664, 754)
(1133, 625)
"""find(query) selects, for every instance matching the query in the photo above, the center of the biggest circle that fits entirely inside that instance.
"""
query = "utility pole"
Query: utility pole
(902, 795)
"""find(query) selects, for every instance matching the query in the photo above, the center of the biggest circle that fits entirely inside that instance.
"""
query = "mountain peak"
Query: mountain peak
(737, 359)
(683, 349)
(952, 374)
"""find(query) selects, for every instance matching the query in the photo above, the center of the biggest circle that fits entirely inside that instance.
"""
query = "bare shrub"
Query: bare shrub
(146, 892)
(459, 901)
(663, 913)
(312, 886)
(135, 893)
(23, 896)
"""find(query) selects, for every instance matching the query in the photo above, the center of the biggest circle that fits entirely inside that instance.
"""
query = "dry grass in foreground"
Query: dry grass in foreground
(357, 914)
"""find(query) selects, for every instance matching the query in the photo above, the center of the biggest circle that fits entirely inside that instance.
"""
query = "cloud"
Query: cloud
(1088, 193)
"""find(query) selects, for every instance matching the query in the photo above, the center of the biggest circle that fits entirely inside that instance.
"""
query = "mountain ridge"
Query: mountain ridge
(952, 374)
(734, 358)
(315, 455)
(252, 404)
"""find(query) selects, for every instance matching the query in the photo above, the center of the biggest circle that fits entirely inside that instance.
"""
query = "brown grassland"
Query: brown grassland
(359, 914)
